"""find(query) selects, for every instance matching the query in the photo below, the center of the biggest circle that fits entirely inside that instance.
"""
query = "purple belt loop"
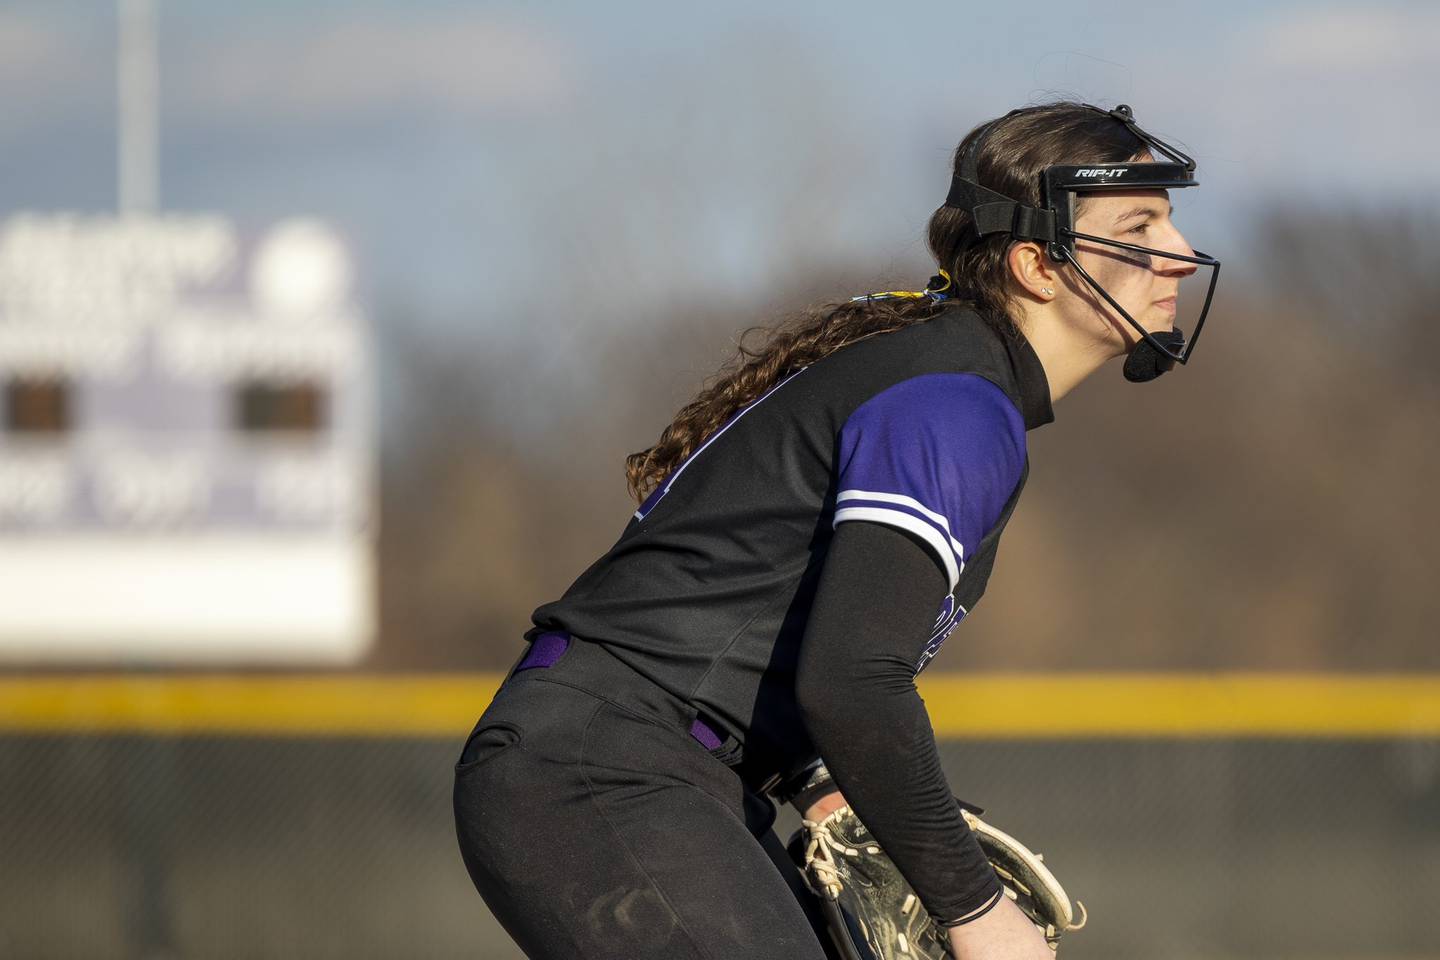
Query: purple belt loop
(547, 649)
(707, 738)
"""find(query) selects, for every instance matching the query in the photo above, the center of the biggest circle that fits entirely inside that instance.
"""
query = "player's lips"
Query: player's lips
(1168, 305)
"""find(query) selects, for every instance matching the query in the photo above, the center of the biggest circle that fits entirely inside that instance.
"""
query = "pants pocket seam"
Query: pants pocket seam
(464, 766)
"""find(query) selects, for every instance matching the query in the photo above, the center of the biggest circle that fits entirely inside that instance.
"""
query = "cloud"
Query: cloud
(268, 68)
(1330, 98)
(1352, 38)
(1338, 96)
(372, 62)
(50, 67)
(27, 45)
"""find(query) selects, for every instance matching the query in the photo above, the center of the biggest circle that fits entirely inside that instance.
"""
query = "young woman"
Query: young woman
(810, 529)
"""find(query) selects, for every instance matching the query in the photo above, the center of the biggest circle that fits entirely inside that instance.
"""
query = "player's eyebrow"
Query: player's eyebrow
(1139, 212)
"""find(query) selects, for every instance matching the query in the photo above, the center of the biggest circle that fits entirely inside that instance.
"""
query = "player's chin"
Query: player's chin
(1159, 319)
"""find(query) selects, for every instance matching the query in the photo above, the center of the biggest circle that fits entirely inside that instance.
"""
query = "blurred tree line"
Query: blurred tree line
(1270, 506)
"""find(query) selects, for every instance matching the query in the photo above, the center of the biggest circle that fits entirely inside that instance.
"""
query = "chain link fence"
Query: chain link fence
(154, 847)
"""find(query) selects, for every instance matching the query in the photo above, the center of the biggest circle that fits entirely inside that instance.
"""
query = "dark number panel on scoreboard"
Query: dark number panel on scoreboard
(37, 406)
(291, 408)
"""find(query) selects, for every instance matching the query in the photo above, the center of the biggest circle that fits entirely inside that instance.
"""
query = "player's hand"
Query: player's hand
(1002, 934)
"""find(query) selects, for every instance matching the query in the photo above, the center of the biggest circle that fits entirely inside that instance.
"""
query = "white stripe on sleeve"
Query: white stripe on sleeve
(913, 504)
(937, 541)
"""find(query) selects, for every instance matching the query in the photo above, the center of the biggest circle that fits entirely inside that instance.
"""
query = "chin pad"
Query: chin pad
(1145, 363)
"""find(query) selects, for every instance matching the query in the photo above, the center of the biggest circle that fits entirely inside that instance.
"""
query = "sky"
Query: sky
(477, 155)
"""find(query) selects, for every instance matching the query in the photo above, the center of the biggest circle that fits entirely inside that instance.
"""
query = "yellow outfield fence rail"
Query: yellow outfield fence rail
(962, 706)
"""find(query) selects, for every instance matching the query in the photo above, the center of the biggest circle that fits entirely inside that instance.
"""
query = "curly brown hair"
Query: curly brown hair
(1015, 149)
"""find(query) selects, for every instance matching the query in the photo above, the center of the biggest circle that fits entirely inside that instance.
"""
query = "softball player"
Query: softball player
(810, 529)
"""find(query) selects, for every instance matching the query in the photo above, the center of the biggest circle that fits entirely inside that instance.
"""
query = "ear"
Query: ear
(1031, 267)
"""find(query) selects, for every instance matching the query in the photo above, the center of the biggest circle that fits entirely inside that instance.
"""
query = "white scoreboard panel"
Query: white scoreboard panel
(186, 443)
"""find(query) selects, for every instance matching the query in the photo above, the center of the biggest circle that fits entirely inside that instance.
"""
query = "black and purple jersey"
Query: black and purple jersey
(709, 587)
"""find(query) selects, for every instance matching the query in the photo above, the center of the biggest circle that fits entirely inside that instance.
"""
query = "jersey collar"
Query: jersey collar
(1030, 378)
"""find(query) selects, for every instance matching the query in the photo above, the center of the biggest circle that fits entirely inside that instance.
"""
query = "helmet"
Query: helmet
(1053, 223)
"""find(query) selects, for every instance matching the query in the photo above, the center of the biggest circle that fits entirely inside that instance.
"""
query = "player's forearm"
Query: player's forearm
(883, 758)
(873, 611)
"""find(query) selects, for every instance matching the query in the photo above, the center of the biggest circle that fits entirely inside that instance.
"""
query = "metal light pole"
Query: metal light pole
(138, 75)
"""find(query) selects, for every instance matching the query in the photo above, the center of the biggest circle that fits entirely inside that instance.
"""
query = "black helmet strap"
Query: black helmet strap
(996, 213)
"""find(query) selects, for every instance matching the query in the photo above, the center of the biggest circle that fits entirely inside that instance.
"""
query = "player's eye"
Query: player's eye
(1140, 230)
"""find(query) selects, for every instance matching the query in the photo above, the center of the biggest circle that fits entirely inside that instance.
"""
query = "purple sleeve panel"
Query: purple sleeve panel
(937, 455)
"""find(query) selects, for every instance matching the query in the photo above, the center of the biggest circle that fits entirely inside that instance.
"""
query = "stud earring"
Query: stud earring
(1047, 291)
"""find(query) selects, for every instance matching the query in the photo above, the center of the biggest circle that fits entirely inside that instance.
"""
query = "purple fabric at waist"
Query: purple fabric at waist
(547, 649)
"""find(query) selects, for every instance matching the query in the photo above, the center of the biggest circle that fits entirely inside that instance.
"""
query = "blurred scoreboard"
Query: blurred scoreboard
(186, 443)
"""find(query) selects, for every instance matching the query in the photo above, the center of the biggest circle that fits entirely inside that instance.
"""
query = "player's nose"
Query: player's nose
(1171, 267)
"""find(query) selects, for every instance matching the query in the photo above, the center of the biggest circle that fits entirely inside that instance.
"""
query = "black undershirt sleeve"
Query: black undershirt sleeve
(877, 600)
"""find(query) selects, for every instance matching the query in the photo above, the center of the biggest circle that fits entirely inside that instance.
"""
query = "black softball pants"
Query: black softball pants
(595, 827)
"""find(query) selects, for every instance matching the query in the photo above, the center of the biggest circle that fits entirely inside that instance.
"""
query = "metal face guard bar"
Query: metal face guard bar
(1125, 115)
(1059, 186)
(1181, 355)
(1053, 222)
